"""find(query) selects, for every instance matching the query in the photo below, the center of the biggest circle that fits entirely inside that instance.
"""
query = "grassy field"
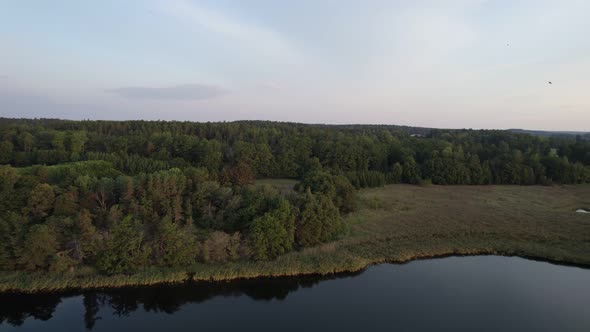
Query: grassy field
(398, 223)
(403, 222)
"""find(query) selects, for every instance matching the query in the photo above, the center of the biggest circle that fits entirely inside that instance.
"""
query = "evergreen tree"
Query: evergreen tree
(319, 220)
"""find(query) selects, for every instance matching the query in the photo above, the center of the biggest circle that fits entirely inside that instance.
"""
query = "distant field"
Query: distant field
(399, 223)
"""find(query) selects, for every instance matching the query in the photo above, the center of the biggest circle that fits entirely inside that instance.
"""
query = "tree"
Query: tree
(319, 220)
(273, 234)
(39, 248)
(76, 142)
(125, 250)
(257, 156)
(8, 179)
(221, 247)
(345, 195)
(173, 245)
(317, 182)
(27, 141)
(239, 174)
(411, 172)
(40, 201)
(476, 171)
(6, 152)
(58, 140)
(66, 204)
(12, 230)
(126, 189)
(396, 173)
(208, 154)
(82, 236)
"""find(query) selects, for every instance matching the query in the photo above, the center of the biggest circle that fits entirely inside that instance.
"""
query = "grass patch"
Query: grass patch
(396, 223)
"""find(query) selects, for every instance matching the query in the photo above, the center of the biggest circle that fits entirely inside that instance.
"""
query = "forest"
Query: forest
(122, 196)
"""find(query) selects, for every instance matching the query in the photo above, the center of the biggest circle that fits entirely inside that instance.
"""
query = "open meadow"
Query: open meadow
(401, 222)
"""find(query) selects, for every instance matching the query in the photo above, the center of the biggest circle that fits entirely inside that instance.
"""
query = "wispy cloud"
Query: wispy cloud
(248, 36)
(177, 92)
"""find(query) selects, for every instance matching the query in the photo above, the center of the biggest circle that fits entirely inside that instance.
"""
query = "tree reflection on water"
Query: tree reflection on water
(16, 308)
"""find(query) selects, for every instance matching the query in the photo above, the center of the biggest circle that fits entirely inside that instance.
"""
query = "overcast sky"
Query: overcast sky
(451, 64)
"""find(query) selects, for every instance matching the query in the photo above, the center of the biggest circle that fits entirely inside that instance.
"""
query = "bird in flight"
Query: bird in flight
(549, 82)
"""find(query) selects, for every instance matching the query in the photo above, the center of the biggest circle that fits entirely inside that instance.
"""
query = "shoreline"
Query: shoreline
(395, 224)
(189, 277)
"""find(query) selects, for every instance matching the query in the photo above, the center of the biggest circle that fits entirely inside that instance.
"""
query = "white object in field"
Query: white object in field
(582, 211)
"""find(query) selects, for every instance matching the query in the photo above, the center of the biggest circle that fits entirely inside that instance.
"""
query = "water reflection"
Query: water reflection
(16, 308)
(482, 293)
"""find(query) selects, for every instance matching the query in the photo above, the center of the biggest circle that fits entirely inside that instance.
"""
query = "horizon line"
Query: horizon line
(571, 132)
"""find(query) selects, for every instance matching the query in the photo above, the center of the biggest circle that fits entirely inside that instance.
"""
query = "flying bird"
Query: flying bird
(550, 82)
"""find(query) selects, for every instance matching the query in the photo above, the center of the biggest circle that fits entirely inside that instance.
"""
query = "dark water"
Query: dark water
(458, 293)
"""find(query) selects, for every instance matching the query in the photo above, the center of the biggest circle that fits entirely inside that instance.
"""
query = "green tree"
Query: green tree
(273, 234)
(411, 172)
(58, 140)
(125, 250)
(345, 195)
(319, 221)
(39, 248)
(6, 152)
(12, 229)
(396, 173)
(27, 141)
(8, 180)
(76, 142)
(82, 237)
(66, 204)
(40, 201)
(173, 245)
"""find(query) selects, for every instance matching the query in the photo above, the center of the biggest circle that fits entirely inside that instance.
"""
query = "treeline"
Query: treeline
(121, 196)
(367, 155)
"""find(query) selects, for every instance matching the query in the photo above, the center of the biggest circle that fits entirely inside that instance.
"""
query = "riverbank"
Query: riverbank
(396, 223)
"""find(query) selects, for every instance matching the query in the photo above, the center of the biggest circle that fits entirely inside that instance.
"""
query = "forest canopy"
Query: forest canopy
(122, 196)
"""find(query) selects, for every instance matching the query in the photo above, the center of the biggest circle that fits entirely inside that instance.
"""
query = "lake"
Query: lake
(482, 293)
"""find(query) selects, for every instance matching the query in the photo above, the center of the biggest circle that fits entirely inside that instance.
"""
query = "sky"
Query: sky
(429, 63)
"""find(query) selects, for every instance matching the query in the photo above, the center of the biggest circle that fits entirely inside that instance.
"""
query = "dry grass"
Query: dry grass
(396, 224)
(529, 221)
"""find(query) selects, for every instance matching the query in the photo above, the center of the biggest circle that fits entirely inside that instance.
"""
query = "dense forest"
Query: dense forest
(121, 196)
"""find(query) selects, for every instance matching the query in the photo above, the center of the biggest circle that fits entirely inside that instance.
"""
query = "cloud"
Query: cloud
(177, 92)
(248, 36)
